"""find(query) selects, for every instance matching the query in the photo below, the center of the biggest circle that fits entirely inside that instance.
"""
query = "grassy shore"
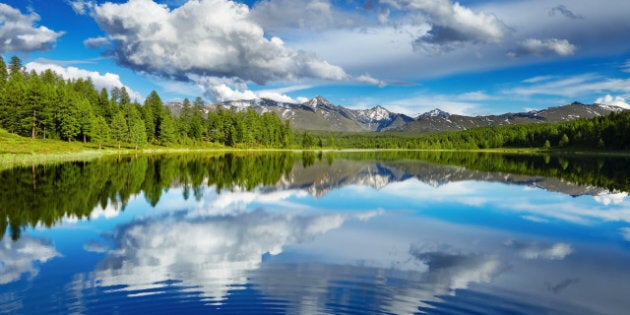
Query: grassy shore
(18, 151)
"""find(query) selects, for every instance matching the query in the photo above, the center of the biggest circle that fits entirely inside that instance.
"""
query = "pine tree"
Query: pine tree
(118, 128)
(185, 119)
(168, 130)
(563, 141)
(15, 66)
(4, 74)
(99, 131)
(32, 106)
(124, 96)
(69, 125)
(198, 124)
(84, 119)
(147, 116)
(115, 97)
(138, 132)
(49, 106)
(13, 101)
(104, 104)
(153, 114)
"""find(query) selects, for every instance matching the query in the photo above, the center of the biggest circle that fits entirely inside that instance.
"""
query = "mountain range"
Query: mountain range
(320, 114)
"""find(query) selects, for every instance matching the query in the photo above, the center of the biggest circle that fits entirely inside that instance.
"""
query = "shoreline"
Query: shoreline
(12, 160)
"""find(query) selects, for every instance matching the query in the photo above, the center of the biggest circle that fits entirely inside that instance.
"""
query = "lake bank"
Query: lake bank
(16, 151)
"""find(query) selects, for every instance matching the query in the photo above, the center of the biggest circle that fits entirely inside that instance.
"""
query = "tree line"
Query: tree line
(610, 132)
(46, 106)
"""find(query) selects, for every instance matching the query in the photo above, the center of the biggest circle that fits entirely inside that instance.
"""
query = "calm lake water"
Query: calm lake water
(318, 233)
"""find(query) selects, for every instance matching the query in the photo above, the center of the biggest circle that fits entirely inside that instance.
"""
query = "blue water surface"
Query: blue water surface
(364, 243)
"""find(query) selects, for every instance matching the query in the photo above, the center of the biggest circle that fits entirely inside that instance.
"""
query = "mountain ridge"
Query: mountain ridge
(319, 114)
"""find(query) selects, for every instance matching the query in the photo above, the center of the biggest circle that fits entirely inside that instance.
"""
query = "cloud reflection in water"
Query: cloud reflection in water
(210, 255)
(20, 257)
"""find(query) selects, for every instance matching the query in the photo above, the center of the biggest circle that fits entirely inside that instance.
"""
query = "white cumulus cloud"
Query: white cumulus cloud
(201, 39)
(19, 33)
(613, 100)
(226, 89)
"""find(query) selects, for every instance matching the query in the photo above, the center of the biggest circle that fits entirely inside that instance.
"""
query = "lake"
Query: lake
(318, 233)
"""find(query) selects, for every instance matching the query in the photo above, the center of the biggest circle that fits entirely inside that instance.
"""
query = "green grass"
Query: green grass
(21, 151)
(16, 151)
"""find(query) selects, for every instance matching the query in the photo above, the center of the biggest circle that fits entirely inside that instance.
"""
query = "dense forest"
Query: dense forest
(44, 105)
(610, 132)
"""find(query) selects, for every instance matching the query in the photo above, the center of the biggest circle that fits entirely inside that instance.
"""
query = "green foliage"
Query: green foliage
(606, 132)
(44, 195)
(4, 74)
(15, 66)
(118, 128)
(247, 128)
(168, 130)
(13, 102)
(47, 106)
(138, 132)
(68, 119)
(308, 140)
(99, 132)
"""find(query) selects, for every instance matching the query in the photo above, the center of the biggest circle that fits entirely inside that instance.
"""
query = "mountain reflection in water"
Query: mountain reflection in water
(391, 233)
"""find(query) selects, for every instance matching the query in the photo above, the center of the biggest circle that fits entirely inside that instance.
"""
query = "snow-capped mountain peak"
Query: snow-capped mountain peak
(319, 101)
(435, 113)
(376, 113)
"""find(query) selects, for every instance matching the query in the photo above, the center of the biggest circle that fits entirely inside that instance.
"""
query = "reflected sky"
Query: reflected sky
(374, 239)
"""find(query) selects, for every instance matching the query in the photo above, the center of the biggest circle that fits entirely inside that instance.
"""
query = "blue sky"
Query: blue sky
(467, 57)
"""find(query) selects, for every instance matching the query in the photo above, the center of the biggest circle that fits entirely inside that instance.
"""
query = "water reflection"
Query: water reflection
(209, 255)
(316, 234)
(44, 195)
(20, 258)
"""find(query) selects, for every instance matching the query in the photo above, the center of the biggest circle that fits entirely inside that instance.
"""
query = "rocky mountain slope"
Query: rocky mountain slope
(436, 121)
(320, 114)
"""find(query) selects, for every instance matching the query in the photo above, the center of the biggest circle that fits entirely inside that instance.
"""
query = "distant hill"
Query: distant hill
(437, 121)
(320, 114)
